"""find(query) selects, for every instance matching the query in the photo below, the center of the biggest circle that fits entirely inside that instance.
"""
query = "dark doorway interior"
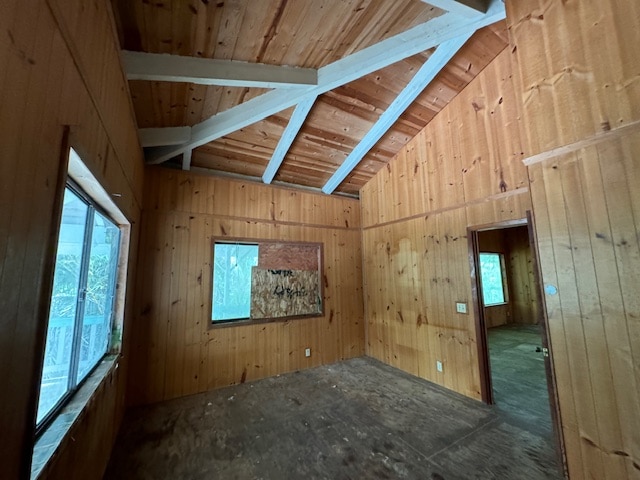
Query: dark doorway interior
(513, 322)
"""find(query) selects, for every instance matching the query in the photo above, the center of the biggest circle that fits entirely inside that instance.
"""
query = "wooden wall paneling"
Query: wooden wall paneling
(556, 330)
(567, 93)
(619, 172)
(229, 208)
(576, 348)
(428, 195)
(522, 281)
(177, 315)
(45, 85)
(21, 254)
(590, 314)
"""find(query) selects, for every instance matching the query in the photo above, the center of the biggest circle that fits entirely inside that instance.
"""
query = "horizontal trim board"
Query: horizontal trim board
(627, 129)
(255, 220)
(279, 184)
(457, 206)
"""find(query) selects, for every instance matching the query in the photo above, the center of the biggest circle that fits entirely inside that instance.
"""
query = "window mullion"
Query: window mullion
(82, 294)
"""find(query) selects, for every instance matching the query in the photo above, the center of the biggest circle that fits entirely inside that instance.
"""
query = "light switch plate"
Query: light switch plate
(461, 307)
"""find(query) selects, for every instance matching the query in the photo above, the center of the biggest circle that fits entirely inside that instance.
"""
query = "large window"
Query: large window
(264, 280)
(82, 300)
(492, 277)
(232, 280)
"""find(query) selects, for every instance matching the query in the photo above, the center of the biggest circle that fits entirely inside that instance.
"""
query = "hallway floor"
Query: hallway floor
(358, 419)
(519, 378)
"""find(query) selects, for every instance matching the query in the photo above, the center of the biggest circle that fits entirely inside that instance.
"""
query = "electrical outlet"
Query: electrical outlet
(461, 307)
(439, 366)
(307, 352)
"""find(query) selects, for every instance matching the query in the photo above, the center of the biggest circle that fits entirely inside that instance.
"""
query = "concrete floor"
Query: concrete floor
(358, 419)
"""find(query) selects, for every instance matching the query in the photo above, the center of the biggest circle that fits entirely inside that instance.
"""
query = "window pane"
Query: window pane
(491, 279)
(96, 322)
(232, 280)
(57, 357)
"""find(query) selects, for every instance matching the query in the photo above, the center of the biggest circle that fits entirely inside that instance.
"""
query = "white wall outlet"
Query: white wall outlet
(461, 307)
(439, 365)
(307, 352)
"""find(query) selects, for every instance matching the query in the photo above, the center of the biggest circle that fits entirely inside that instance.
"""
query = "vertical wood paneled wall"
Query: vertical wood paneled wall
(175, 351)
(464, 169)
(579, 81)
(60, 66)
(522, 288)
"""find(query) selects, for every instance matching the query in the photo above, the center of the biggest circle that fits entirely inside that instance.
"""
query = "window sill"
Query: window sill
(48, 445)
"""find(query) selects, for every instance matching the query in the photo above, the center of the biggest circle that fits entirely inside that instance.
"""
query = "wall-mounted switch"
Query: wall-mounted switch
(307, 352)
(439, 366)
(461, 307)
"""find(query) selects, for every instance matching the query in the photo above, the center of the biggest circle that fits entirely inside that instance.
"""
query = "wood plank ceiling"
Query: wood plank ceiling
(310, 35)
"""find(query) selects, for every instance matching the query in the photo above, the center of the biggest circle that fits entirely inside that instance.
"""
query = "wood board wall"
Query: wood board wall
(464, 169)
(60, 66)
(580, 94)
(175, 351)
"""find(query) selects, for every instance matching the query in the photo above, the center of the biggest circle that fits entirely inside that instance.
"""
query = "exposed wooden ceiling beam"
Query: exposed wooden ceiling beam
(421, 79)
(465, 8)
(175, 68)
(336, 74)
(155, 137)
(186, 159)
(288, 136)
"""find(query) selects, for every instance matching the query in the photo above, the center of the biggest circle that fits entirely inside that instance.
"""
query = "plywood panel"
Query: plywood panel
(284, 293)
(183, 212)
(60, 66)
(415, 217)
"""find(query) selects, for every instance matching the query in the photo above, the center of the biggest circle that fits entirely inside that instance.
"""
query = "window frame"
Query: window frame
(73, 385)
(503, 274)
(260, 241)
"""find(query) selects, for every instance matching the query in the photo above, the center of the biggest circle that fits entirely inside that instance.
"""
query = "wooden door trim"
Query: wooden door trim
(543, 320)
(486, 388)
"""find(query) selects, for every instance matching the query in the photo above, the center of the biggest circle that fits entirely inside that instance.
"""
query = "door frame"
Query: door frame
(486, 387)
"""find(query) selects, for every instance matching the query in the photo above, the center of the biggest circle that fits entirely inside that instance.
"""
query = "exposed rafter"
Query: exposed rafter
(295, 123)
(421, 79)
(175, 68)
(364, 62)
(466, 8)
(186, 160)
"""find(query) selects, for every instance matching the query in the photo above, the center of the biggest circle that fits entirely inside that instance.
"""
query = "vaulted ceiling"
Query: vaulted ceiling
(318, 94)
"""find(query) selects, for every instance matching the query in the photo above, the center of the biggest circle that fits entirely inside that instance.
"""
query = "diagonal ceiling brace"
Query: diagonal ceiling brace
(421, 79)
(295, 123)
(336, 74)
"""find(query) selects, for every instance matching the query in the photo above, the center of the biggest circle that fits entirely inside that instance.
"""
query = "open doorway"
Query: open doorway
(516, 370)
